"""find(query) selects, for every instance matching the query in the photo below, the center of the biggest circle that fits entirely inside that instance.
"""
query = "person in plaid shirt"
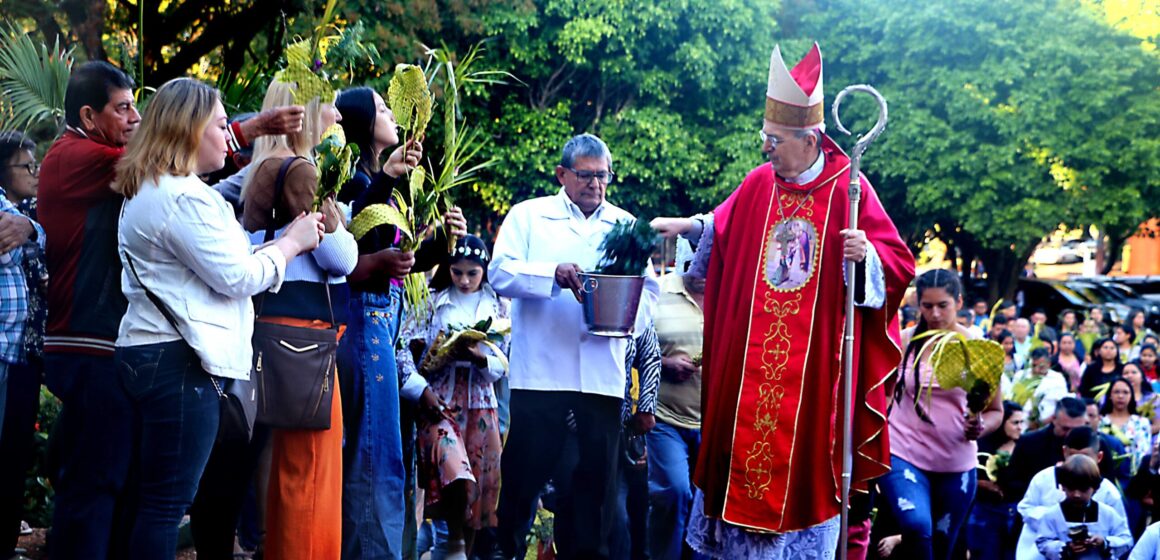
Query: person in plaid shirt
(13, 285)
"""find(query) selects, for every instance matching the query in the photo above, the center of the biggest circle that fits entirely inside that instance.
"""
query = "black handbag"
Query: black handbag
(239, 402)
(294, 367)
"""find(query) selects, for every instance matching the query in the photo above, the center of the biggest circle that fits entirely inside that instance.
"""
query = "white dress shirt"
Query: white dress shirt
(192, 253)
(551, 349)
(1043, 494)
(1149, 546)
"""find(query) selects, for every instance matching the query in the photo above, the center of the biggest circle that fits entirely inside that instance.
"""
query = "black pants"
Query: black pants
(223, 490)
(539, 430)
(16, 447)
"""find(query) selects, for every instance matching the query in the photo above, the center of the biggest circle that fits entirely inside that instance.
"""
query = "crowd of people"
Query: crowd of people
(137, 259)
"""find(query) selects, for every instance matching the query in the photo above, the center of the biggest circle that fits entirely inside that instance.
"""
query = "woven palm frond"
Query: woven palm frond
(972, 365)
(410, 99)
(377, 215)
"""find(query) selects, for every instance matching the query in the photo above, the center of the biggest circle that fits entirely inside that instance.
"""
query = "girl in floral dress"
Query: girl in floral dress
(459, 450)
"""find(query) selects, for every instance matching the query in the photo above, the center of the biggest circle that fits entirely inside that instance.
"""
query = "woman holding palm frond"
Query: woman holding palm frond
(304, 519)
(1105, 367)
(373, 482)
(932, 436)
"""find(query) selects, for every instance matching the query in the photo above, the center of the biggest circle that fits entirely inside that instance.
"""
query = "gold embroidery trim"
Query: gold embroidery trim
(774, 357)
(794, 116)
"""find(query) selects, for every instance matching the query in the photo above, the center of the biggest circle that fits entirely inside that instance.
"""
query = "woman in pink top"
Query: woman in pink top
(932, 442)
(1067, 361)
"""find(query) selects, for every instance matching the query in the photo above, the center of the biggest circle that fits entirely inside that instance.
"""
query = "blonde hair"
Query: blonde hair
(170, 134)
(301, 143)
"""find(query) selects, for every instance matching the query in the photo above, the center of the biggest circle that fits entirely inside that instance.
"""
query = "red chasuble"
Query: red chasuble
(771, 451)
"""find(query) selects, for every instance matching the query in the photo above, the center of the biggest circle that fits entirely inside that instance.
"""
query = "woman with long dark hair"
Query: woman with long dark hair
(1120, 418)
(1105, 367)
(374, 506)
(991, 525)
(932, 440)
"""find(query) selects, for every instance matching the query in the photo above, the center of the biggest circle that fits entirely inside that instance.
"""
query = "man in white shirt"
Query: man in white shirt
(1044, 493)
(556, 366)
(1052, 387)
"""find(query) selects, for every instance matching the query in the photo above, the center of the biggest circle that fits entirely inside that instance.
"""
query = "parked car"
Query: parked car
(1053, 296)
(1126, 295)
(1146, 286)
(1115, 308)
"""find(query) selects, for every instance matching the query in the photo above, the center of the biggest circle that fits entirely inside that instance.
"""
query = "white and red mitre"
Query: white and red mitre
(794, 98)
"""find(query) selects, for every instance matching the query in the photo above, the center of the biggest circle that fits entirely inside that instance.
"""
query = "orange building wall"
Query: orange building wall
(1144, 255)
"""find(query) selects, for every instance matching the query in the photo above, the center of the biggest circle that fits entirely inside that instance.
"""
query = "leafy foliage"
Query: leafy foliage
(336, 161)
(626, 248)
(1008, 119)
(33, 79)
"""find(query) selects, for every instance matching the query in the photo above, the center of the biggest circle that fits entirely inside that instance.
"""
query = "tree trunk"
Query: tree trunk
(1112, 249)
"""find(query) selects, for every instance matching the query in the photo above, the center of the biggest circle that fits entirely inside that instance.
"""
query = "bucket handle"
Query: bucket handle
(589, 285)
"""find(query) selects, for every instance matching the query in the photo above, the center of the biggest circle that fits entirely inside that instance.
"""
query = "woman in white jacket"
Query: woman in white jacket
(189, 273)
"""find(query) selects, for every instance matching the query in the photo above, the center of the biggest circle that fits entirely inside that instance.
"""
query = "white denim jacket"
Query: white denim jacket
(192, 253)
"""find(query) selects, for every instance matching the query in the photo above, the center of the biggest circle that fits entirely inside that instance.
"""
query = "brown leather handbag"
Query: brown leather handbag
(294, 367)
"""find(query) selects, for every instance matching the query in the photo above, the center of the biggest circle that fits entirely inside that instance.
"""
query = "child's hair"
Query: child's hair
(1078, 472)
(469, 248)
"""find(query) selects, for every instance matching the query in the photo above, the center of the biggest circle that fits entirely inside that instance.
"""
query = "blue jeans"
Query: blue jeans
(930, 507)
(373, 512)
(672, 451)
(175, 420)
(91, 447)
(991, 530)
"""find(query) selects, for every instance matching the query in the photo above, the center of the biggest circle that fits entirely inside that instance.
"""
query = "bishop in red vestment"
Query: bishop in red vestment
(769, 469)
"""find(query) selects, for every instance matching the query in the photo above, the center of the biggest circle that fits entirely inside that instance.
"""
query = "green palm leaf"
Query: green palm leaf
(33, 79)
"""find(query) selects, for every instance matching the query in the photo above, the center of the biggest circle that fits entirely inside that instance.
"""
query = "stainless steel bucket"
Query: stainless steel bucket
(610, 303)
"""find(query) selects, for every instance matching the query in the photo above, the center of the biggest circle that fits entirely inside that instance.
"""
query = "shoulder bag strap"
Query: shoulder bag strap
(279, 186)
(165, 312)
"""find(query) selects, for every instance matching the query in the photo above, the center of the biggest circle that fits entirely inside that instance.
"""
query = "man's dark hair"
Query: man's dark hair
(1000, 320)
(966, 314)
(1089, 401)
(1006, 305)
(1082, 438)
(90, 84)
(1040, 352)
(1039, 310)
(1072, 407)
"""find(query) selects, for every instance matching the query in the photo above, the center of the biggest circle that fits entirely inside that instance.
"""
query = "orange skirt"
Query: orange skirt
(304, 504)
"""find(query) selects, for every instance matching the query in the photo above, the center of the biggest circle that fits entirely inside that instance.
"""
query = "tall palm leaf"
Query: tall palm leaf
(33, 79)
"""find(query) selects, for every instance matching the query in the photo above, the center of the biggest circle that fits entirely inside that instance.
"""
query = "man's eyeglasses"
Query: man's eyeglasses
(771, 139)
(32, 167)
(604, 177)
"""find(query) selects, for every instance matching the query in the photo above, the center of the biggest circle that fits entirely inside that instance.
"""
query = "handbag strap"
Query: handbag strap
(165, 312)
(279, 186)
